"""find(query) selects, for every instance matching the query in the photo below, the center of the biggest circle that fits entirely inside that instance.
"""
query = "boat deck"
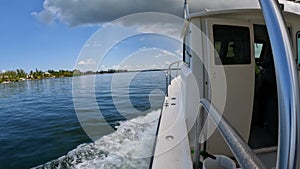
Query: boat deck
(172, 141)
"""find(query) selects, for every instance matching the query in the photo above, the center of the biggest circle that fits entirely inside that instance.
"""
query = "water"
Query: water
(39, 125)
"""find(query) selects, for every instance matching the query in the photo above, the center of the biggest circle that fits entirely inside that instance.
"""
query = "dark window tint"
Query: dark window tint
(232, 44)
(186, 54)
(298, 48)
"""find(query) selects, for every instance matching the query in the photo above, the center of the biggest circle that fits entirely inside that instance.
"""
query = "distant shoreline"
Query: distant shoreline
(20, 75)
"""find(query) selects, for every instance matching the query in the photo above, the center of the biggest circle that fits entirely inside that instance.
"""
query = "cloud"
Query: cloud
(166, 53)
(163, 28)
(78, 12)
(103, 67)
(87, 62)
(44, 16)
(87, 12)
(116, 67)
(48, 15)
(152, 58)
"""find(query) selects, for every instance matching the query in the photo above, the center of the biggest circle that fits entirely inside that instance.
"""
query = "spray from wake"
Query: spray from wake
(130, 146)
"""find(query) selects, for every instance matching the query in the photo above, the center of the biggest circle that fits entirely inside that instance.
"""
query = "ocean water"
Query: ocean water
(46, 123)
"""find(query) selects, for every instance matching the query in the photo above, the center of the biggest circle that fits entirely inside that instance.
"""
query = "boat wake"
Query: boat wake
(130, 146)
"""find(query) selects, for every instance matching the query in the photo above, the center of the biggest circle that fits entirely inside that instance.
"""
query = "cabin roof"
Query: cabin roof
(212, 13)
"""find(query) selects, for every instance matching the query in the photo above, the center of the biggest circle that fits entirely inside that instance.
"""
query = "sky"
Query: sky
(66, 34)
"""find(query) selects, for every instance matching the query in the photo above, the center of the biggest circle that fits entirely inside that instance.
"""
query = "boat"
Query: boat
(235, 95)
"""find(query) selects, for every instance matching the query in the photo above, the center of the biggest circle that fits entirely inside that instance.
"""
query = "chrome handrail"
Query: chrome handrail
(186, 11)
(169, 73)
(242, 152)
(288, 156)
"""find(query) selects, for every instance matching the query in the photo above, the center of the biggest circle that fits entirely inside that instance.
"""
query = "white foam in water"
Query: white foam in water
(130, 146)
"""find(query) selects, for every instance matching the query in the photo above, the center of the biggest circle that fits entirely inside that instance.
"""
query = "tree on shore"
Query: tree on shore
(38, 74)
(12, 76)
(20, 74)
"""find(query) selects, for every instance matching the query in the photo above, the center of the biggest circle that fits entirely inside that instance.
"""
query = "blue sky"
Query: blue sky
(146, 51)
(54, 34)
(29, 44)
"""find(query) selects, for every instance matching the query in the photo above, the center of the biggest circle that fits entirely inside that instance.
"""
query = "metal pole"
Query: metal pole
(287, 86)
(239, 148)
(167, 84)
(198, 129)
(185, 9)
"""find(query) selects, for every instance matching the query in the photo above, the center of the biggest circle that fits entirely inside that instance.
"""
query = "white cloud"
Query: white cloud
(103, 67)
(162, 28)
(165, 52)
(127, 66)
(87, 62)
(45, 16)
(97, 44)
(142, 48)
(116, 67)
(49, 14)
(146, 59)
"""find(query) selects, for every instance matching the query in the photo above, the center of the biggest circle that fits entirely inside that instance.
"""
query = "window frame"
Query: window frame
(298, 49)
(186, 50)
(247, 45)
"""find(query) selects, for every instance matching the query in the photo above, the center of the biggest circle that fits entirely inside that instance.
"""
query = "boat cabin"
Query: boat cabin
(228, 60)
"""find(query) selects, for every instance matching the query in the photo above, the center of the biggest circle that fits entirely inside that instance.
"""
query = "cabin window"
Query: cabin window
(258, 49)
(232, 44)
(186, 54)
(186, 51)
(298, 51)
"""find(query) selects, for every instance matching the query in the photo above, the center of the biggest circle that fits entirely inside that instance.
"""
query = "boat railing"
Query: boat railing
(245, 156)
(172, 72)
(288, 156)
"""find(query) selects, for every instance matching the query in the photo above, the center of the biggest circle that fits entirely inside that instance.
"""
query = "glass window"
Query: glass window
(232, 43)
(298, 43)
(258, 49)
(187, 51)
(185, 56)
